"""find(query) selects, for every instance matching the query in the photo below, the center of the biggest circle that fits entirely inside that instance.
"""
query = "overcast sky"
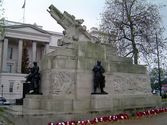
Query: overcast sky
(36, 11)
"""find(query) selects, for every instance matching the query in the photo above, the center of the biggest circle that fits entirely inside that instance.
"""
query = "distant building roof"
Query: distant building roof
(13, 25)
(27, 25)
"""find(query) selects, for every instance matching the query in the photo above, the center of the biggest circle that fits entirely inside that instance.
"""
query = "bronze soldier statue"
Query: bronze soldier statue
(99, 78)
(34, 78)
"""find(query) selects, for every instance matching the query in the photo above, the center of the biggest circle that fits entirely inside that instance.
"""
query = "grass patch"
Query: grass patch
(1, 109)
(164, 99)
(4, 118)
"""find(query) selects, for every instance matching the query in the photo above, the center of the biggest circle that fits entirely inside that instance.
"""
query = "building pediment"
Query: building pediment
(28, 28)
(27, 31)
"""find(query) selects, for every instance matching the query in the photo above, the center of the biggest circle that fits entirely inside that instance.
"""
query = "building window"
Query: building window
(10, 53)
(11, 84)
(9, 68)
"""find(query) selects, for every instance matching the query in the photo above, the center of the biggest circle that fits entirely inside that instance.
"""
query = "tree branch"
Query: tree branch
(128, 53)
(132, 4)
(123, 30)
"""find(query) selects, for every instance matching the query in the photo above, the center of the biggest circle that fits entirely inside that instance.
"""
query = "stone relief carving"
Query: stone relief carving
(129, 84)
(62, 83)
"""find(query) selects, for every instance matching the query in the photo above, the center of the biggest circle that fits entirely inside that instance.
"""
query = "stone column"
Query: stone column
(1, 54)
(20, 52)
(34, 51)
(5, 53)
(46, 48)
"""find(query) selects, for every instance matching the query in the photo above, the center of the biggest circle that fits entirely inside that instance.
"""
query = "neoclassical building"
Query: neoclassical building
(17, 37)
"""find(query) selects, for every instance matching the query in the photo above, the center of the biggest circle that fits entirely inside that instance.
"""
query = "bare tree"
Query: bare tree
(135, 23)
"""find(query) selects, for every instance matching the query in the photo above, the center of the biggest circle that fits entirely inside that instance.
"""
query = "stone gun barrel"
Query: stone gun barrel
(71, 25)
(64, 19)
(57, 15)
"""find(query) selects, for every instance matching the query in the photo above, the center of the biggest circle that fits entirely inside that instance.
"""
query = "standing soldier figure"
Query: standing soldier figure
(99, 78)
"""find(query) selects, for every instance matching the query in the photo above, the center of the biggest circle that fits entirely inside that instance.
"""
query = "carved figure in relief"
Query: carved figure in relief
(62, 83)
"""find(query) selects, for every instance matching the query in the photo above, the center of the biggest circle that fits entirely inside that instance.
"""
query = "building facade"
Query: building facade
(17, 38)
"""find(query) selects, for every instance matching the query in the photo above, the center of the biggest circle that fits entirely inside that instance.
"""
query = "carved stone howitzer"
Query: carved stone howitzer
(74, 31)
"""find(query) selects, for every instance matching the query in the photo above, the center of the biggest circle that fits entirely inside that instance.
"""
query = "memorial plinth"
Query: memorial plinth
(67, 81)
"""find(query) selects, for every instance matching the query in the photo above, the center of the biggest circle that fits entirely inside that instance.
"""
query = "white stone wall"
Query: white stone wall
(17, 79)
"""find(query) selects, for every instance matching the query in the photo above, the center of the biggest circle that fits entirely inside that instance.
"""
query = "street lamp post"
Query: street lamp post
(2, 90)
(159, 72)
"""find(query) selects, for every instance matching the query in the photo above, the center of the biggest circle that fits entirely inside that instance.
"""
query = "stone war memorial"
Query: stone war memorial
(67, 80)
